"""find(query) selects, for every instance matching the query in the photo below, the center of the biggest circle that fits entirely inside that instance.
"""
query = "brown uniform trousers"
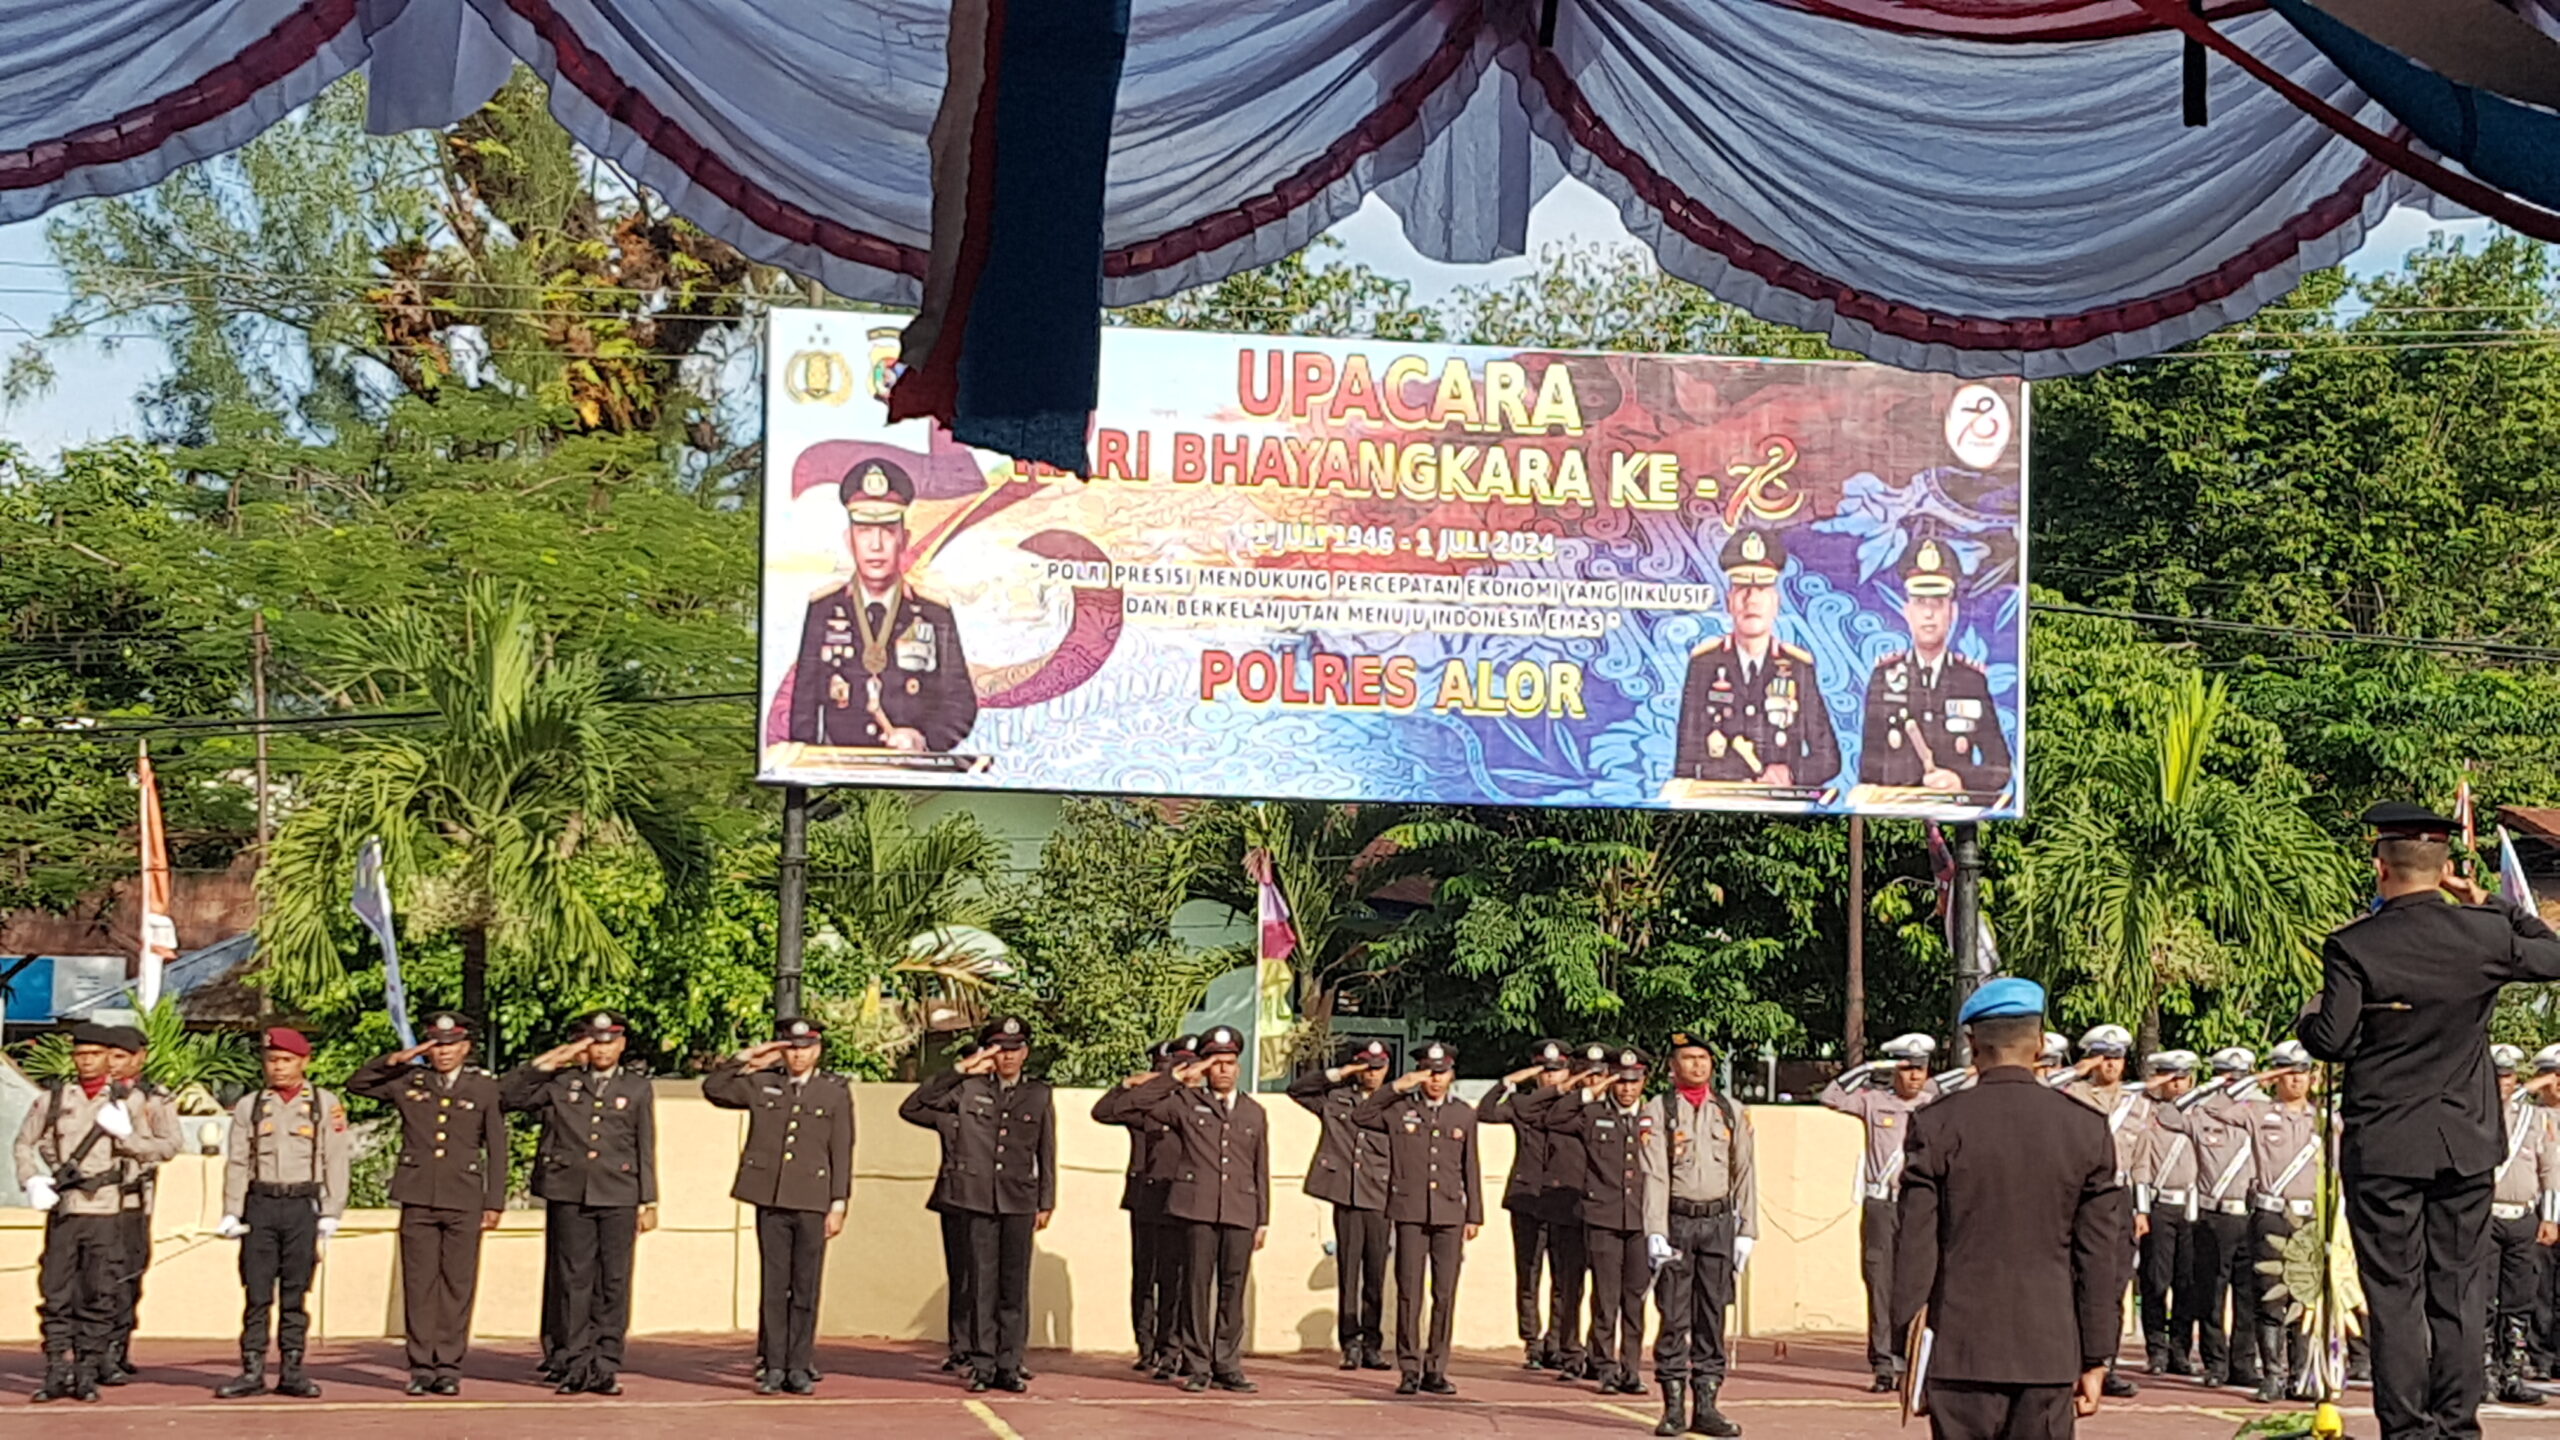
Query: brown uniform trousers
(452, 1170)
(796, 1169)
(1435, 1190)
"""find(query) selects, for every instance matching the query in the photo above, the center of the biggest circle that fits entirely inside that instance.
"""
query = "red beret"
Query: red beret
(289, 1041)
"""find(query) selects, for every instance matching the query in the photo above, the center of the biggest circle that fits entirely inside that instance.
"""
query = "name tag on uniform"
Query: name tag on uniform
(918, 649)
(1884, 1122)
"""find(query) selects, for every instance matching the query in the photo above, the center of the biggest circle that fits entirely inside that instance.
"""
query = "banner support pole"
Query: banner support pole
(1968, 926)
(792, 893)
(1853, 1019)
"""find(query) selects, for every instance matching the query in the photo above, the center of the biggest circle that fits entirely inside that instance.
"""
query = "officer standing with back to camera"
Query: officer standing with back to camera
(1000, 1175)
(2524, 1221)
(156, 1111)
(797, 1171)
(284, 1186)
(1545, 1228)
(1153, 1305)
(1435, 1196)
(1603, 1121)
(2012, 1240)
(2164, 1220)
(1884, 1094)
(1349, 1172)
(450, 1184)
(2405, 999)
(73, 1152)
(597, 1175)
(1702, 1216)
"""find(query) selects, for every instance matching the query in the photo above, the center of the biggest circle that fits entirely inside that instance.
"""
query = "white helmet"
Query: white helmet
(2290, 1056)
(2546, 1059)
(2107, 1040)
(2057, 1048)
(2234, 1061)
(2506, 1058)
(2172, 1062)
(1911, 1049)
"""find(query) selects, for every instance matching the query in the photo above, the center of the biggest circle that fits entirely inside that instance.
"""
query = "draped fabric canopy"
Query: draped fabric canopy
(1976, 186)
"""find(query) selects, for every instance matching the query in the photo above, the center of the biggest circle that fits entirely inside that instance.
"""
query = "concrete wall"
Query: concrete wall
(697, 1272)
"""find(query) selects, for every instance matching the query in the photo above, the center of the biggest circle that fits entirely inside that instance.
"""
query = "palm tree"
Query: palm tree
(196, 1067)
(528, 760)
(902, 945)
(2160, 872)
(1328, 861)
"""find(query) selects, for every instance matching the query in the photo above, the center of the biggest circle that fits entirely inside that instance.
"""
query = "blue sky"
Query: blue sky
(93, 398)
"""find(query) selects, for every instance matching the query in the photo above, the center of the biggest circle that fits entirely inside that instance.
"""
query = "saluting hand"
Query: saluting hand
(2463, 889)
(403, 1057)
(758, 1057)
(1524, 1073)
(1137, 1079)
(1195, 1073)
(561, 1055)
(982, 1063)
(1410, 1081)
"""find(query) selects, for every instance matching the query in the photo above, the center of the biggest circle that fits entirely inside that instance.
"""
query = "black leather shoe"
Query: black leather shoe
(1409, 1385)
(2116, 1387)
(1144, 1364)
(604, 1385)
(1883, 1385)
(800, 1382)
(950, 1363)
(1235, 1384)
(570, 1387)
(1166, 1371)
(2269, 1390)
(447, 1385)
(1351, 1358)
(1195, 1385)
(768, 1382)
(1370, 1359)
(420, 1385)
(1015, 1381)
(978, 1383)
(1438, 1385)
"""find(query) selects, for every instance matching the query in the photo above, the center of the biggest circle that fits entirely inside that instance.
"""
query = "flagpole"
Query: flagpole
(1968, 927)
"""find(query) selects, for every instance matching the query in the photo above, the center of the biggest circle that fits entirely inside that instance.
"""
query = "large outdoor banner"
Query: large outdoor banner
(1374, 570)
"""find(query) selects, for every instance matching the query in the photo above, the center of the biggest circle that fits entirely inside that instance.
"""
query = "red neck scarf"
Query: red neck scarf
(286, 1094)
(1696, 1098)
(91, 1088)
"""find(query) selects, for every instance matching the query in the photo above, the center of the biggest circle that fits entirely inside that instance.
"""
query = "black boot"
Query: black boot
(2513, 1336)
(1675, 1408)
(1706, 1419)
(291, 1381)
(252, 1379)
(111, 1369)
(59, 1382)
(84, 1379)
(2116, 1387)
(1372, 1358)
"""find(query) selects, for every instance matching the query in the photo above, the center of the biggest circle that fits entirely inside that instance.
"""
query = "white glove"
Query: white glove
(230, 1228)
(1741, 1252)
(40, 1192)
(328, 1226)
(116, 1120)
(1658, 1251)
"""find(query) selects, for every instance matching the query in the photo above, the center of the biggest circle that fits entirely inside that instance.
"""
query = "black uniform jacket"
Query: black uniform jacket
(1612, 1146)
(453, 1137)
(1526, 1189)
(599, 1133)
(2013, 1232)
(1350, 1167)
(799, 1150)
(925, 687)
(1142, 1187)
(1000, 1154)
(1957, 717)
(1433, 1175)
(1222, 1155)
(1568, 1161)
(2405, 997)
(1732, 725)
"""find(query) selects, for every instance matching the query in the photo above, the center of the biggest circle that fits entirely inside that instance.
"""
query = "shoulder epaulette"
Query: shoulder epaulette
(834, 586)
(1795, 652)
(1712, 642)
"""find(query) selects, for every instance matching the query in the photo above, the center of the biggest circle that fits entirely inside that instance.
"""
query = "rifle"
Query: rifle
(67, 1179)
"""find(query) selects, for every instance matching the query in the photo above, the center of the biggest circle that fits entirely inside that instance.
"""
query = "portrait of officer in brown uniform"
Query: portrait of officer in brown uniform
(1752, 712)
(797, 1171)
(1000, 1177)
(450, 1184)
(1435, 1197)
(1931, 722)
(880, 666)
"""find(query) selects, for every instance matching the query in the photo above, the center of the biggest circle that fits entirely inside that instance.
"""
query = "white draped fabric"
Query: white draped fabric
(2020, 204)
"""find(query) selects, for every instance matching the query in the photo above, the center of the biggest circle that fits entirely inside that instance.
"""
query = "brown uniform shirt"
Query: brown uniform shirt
(2529, 1173)
(453, 1133)
(599, 1133)
(1612, 1145)
(1433, 1174)
(1000, 1153)
(1702, 1153)
(2164, 1163)
(1350, 1165)
(2127, 1111)
(49, 1134)
(275, 1141)
(799, 1150)
(1223, 1152)
(1888, 1121)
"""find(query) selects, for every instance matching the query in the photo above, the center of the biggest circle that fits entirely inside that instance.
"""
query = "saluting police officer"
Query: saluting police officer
(1349, 1173)
(156, 1112)
(1000, 1175)
(2405, 999)
(597, 1174)
(1435, 1197)
(2012, 1237)
(2225, 1265)
(2164, 1220)
(1931, 722)
(955, 1237)
(880, 666)
(1883, 1093)
(284, 1185)
(2524, 1221)
(1702, 1216)
(1604, 1118)
(1751, 711)
(797, 1170)
(450, 1184)
(1221, 1193)
(1567, 1166)
(1152, 1303)
(1545, 1228)
(2098, 1082)
(73, 1152)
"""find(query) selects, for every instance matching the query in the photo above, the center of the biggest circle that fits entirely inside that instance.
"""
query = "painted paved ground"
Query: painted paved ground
(1806, 1389)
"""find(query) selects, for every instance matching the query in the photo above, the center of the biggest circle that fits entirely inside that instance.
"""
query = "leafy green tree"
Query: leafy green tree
(531, 761)
(199, 1068)
(1617, 297)
(1298, 294)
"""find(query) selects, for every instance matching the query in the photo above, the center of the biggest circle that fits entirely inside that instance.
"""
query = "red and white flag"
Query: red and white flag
(1275, 940)
(1278, 935)
(159, 939)
(2463, 816)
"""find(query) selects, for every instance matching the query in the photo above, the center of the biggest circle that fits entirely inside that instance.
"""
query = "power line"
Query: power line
(2492, 649)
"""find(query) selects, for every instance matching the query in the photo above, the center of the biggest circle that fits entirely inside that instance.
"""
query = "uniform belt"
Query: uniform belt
(2230, 1207)
(2278, 1205)
(1878, 1192)
(1701, 1209)
(2510, 1212)
(2170, 1197)
(272, 1190)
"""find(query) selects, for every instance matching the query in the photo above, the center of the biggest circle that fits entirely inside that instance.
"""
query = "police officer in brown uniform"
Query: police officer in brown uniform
(1155, 1240)
(1221, 1193)
(597, 1174)
(1546, 1224)
(157, 1113)
(1751, 711)
(1349, 1173)
(1605, 1118)
(1931, 722)
(1435, 1197)
(284, 1185)
(796, 1169)
(73, 1151)
(1000, 1176)
(450, 1184)
(880, 666)
(955, 1238)
(2164, 1219)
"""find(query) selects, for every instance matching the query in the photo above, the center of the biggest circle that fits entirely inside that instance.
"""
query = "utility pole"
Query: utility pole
(792, 890)
(1853, 1020)
(258, 699)
(1968, 926)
